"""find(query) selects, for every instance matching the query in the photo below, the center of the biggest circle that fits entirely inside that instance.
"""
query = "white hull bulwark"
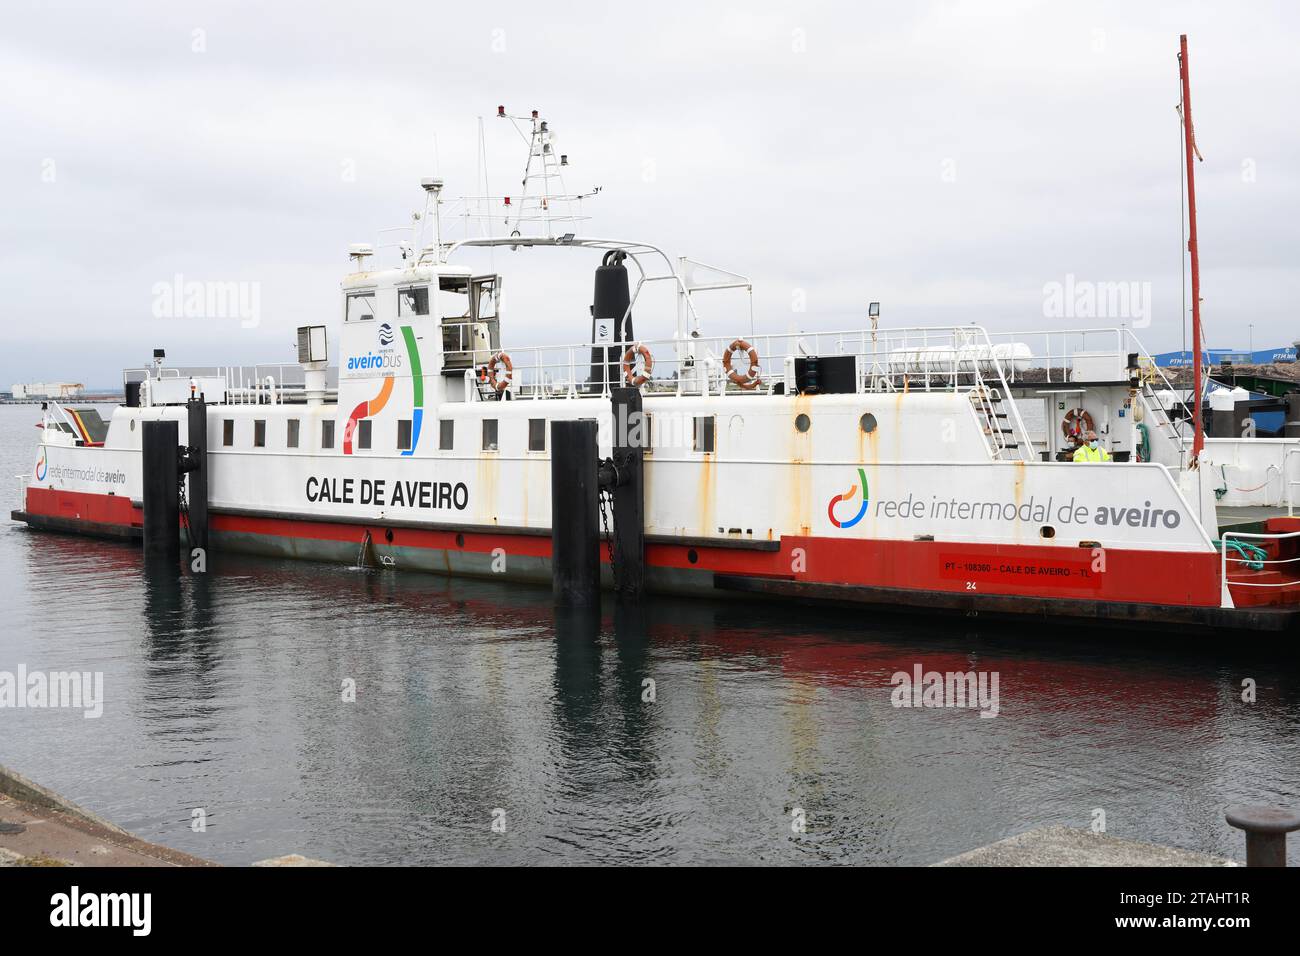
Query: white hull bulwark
(757, 483)
(997, 535)
(888, 467)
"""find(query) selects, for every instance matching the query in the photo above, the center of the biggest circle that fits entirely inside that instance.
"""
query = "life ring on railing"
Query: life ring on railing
(748, 380)
(1076, 424)
(503, 382)
(630, 374)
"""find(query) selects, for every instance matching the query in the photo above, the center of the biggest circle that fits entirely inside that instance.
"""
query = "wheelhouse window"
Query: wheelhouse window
(467, 309)
(453, 297)
(360, 307)
(537, 434)
(403, 434)
(489, 434)
(446, 434)
(413, 301)
(259, 433)
(291, 435)
(363, 433)
(327, 433)
(227, 432)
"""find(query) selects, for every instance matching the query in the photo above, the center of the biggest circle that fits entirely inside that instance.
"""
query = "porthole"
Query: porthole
(1047, 531)
(867, 423)
(460, 541)
(388, 535)
(692, 556)
(802, 423)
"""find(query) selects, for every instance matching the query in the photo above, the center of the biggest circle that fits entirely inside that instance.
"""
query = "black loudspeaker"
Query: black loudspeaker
(826, 374)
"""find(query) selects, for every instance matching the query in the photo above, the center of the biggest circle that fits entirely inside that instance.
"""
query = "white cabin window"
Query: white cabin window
(446, 434)
(363, 433)
(403, 434)
(259, 433)
(227, 432)
(327, 433)
(704, 428)
(537, 434)
(291, 434)
(361, 306)
(413, 301)
(489, 434)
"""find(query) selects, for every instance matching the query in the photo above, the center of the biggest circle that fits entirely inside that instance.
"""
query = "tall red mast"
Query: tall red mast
(1189, 142)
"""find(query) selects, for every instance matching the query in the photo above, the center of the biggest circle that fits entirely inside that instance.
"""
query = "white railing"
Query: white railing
(1263, 562)
(245, 385)
(56, 420)
(1055, 359)
(942, 359)
(932, 359)
(1289, 484)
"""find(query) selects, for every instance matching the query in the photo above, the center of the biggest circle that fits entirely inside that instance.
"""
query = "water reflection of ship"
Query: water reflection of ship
(487, 691)
(602, 661)
(834, 648)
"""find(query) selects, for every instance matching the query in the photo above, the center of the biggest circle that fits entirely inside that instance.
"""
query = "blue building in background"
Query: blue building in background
(1218, 356)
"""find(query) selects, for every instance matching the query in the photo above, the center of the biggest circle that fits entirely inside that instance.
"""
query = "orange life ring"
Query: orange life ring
(502, 383)
(750, 379)
(1076, 424)
(630, 374)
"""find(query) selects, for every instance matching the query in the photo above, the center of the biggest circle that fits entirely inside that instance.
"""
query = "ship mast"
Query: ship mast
(1189, 144)
(544, 165)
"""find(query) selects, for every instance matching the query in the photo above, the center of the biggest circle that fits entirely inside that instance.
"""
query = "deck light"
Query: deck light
(873, 310)
(501, 111)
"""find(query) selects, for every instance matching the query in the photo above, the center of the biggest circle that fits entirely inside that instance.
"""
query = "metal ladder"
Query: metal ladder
(1161, 418)
(1002, 438)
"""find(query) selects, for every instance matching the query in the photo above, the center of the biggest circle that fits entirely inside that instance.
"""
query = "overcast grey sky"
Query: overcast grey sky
(947, 159)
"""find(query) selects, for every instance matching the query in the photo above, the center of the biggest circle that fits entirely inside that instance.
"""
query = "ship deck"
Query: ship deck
(1244, 517)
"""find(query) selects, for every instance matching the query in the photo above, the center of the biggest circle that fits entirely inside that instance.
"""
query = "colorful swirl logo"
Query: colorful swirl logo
(849, 496)
(374, 406)
(41, 467)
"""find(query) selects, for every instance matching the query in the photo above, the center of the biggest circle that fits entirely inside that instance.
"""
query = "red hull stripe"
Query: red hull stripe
(1145, 577)
(75, 505)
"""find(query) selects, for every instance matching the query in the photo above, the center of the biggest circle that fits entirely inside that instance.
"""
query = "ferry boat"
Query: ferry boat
(890, 468)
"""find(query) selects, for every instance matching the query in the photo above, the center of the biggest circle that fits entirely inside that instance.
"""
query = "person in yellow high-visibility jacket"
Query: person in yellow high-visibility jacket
(1091, 450)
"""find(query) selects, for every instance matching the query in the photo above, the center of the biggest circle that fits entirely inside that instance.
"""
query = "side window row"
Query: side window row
(292, 434)
(703, 434)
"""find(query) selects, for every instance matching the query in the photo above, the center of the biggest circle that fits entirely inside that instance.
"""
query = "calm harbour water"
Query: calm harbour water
(223, 692)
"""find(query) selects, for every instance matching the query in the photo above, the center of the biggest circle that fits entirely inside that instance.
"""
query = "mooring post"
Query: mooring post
(629, 493)
(1291, 429)
(1266, 829)
(575, 506)
(197, 464)
(159, 442)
